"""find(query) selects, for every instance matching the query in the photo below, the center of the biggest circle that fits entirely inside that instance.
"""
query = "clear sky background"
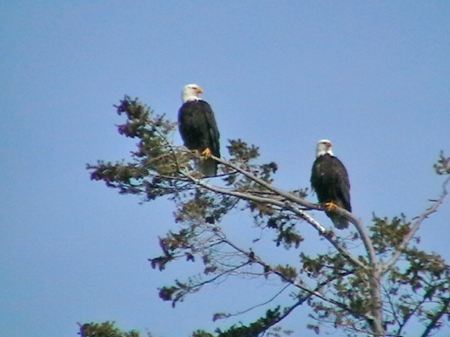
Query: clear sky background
(372, 76)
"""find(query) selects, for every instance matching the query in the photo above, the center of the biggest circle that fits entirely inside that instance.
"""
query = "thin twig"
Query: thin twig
(300, 285)
(260, 304)
(415, 228)
(437, 317)
(300, 213)
(291, 197)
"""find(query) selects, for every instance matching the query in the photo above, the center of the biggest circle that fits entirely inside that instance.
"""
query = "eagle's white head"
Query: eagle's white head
(324, 147)
(191, 92)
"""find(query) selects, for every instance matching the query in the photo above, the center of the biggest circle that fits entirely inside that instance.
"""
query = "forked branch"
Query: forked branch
(286, 206)
(434, 207)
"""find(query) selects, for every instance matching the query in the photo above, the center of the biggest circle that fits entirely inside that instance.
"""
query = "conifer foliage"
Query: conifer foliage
(372, 280)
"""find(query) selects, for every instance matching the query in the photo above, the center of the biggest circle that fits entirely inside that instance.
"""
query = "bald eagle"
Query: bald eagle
(329, 178)
(198, 129)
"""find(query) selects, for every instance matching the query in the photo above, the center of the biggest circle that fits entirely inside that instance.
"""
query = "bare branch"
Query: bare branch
(363, 235)
(284, 205)
(415, 228)
(301, 285)
(259, 305)
(411, 313)
(215, 278)
(289, 196)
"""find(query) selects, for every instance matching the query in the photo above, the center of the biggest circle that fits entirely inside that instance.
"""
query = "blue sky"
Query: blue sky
(372, 76)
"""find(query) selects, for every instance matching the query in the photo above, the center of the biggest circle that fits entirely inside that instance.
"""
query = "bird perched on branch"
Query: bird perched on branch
(329, 178)
(198, 129)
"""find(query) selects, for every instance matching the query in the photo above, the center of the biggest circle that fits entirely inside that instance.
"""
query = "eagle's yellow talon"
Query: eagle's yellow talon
(207, 152)
(330, 206)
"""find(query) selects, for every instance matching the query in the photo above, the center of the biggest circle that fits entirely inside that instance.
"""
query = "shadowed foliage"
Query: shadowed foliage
(106, 329)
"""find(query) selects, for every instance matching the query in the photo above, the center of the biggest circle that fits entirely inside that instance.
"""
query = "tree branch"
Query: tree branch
(300, 285)
(374, 273)
(215, 278)
(437, 317)
(284, 205)
(410, 314)
(289, 196)
(259, 305)
(415, 228)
